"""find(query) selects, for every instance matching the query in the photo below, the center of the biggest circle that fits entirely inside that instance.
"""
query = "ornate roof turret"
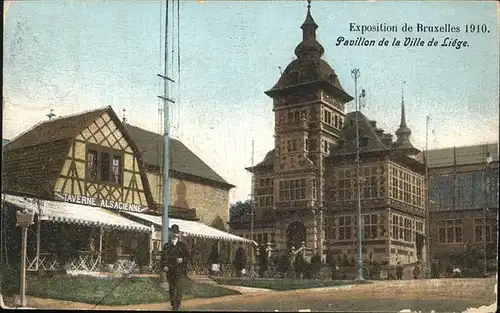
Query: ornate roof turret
(403, 133)
(309, 68)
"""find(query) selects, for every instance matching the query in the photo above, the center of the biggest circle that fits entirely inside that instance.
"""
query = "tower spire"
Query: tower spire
(403, 114)
(309, 26)
(403, 133)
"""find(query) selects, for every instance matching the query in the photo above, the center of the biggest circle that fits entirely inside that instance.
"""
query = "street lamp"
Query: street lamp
(487, 160)
(355, 74)
(24, 219)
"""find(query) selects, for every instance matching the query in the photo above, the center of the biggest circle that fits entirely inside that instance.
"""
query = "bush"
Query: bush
(9, 283)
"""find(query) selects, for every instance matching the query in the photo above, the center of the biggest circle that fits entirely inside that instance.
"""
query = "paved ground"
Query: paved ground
(443, 295)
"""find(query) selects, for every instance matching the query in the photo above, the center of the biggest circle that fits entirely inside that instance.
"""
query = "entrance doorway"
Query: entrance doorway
(296, 233)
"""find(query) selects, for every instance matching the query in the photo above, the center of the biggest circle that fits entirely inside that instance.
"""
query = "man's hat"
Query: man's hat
(175, 229)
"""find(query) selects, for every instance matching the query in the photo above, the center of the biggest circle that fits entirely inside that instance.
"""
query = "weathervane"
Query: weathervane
(124, 119)
(308, 4)
(51, 114)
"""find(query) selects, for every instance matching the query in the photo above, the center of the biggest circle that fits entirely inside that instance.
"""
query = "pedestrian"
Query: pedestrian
(315, 265)
(399, 271)
(299, 265)
(416, 272)
(213, 259)
(240, 259)
(263, 261)
(175, 262)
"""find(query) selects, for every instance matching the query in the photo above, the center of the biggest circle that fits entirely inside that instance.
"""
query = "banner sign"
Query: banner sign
(94, 201)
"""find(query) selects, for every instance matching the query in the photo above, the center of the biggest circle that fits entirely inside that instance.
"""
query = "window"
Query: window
(336, 121)
(402, 228)
(104, 166)
(346, 185)
(291, 190)
(345, 227)
(450, 231)
(307, 144)
(478, 230)
(117, 169)
(406, 186)
(314, 189)
(370, 226)
(341, 123)
(326, 146)
(92, 164)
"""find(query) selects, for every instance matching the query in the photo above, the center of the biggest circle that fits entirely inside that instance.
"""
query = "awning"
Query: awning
(192, 228)
(73, 213)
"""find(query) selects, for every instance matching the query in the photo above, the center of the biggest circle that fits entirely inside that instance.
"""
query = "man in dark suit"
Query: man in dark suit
(175, 262)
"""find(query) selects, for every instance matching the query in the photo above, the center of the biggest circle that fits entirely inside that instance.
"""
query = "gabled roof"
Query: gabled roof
(182, 160)
(267, 162)
(60, 128)
(465, 155)
(367, 133)
(33, 160)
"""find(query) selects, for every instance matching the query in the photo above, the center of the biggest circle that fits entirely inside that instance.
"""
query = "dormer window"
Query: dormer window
(364, 141)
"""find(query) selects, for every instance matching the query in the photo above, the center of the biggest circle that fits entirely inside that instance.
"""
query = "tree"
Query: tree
(240, 209)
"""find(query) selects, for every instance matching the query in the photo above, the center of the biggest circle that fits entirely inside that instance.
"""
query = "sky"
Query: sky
(72, 56)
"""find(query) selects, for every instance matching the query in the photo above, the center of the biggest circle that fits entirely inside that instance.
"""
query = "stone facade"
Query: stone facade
(210, 201)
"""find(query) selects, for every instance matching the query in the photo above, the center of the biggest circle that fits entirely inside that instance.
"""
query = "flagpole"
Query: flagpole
(427, 202)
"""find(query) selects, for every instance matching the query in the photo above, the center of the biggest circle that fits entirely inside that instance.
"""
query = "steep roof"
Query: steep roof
(267, 162)
(367, 133)
(33, 160)
(309, 69)
(182, 159)
(464, 155)
(66, 127)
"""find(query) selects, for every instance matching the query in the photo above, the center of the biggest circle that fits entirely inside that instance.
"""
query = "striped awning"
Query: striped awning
(72, 213)
(192, 228)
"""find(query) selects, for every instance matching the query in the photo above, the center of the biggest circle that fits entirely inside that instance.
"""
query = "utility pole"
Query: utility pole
(427, 203)
(252, 204)
(355, 74)
(166, 126)
(486, 161)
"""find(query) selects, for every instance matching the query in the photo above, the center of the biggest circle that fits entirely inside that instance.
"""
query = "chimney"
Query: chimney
(373, 124)
(387, 140)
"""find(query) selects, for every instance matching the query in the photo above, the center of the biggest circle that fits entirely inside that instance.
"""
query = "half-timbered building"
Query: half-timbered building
(86, 160)
(85, 178)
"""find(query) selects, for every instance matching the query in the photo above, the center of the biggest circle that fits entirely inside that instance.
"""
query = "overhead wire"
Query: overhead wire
(159, 154)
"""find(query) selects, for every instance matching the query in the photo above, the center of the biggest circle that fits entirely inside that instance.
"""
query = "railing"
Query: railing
(86, 261)
(44, 262)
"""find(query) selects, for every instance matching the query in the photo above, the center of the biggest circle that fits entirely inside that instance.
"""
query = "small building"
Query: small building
(463, 196)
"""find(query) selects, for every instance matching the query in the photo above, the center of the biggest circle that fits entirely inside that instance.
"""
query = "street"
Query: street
(440, 295)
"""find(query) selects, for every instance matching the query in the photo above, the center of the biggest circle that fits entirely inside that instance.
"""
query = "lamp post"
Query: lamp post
(24, 219)
(355, 74)
(486, 161)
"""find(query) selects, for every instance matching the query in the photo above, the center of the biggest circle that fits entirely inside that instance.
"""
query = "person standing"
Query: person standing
(240, 260)
(399, 271)
(175, 262)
